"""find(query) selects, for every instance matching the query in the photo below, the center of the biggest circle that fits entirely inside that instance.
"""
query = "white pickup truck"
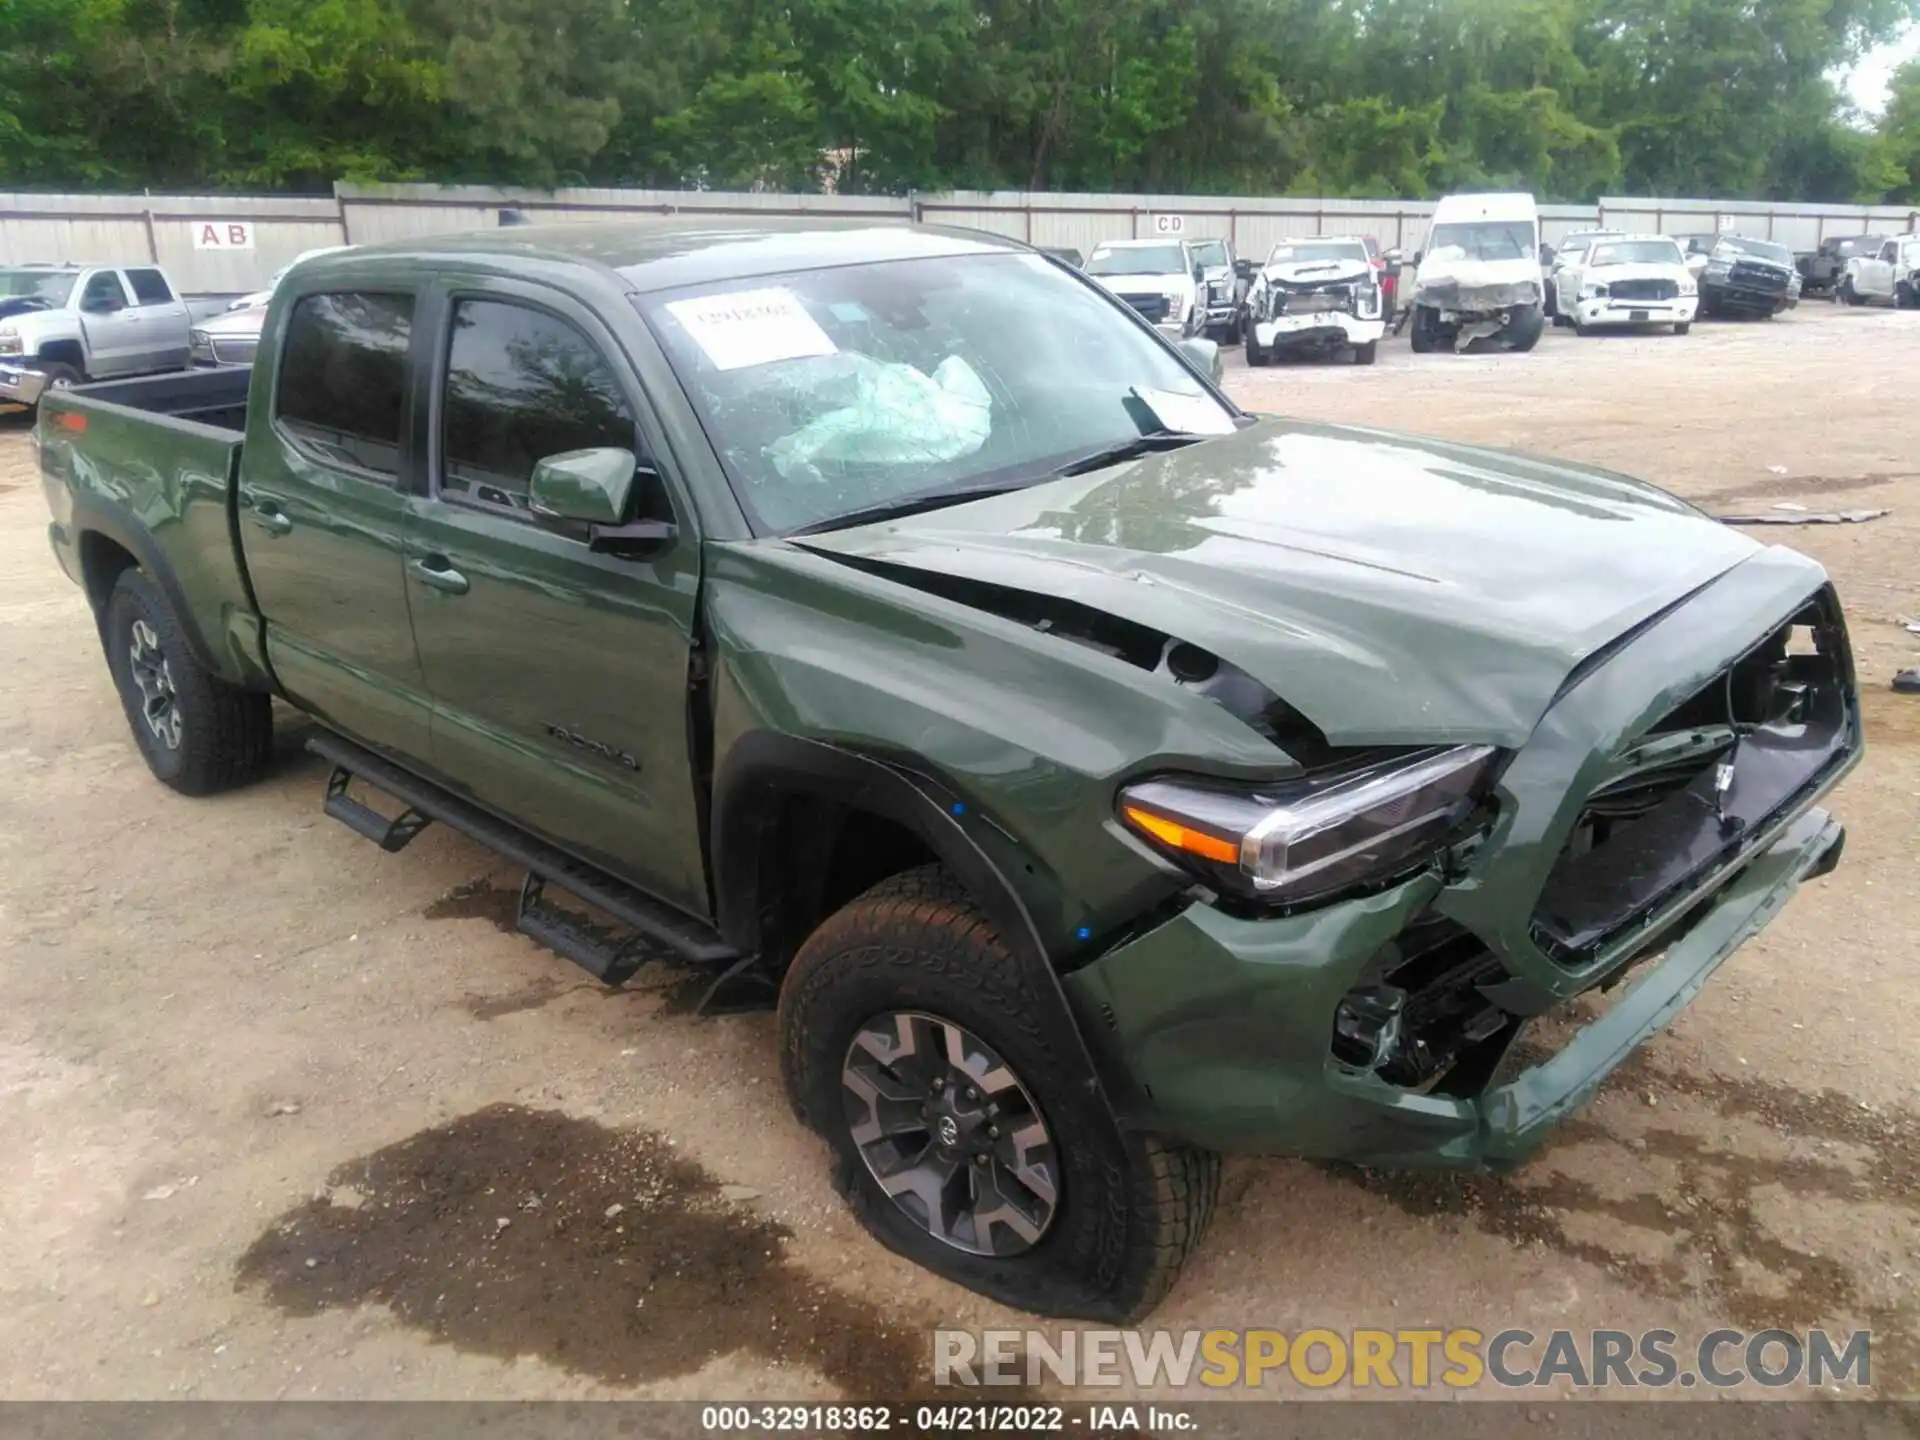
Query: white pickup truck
(1891, 272)
(73, 323)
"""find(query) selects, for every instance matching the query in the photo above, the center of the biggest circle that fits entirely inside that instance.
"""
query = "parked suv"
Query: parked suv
(1226, 288)
(71, 323)
(1739, 275)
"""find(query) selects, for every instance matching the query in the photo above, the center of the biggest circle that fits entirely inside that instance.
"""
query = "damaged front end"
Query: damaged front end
(1294, 310)
(1629, 848)
(1459, 309)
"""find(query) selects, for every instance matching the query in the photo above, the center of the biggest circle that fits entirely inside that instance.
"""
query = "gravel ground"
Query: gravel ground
(289, 1117)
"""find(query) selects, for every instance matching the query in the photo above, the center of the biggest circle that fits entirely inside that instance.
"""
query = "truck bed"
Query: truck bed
(150, 467)
(216, 398)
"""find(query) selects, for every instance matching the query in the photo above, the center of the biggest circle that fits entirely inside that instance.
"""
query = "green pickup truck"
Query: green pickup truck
(1097, 778)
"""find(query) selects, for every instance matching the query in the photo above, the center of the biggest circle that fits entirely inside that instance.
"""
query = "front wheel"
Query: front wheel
(1366, 354)
(965, 1135)
(1425, 326)
(1256, 356)
(1850, 295)
(1525, 325)
(196, 732)
(1682, 327)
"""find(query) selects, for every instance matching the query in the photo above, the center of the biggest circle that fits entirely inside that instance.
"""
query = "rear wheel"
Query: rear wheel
(197, 733)
(965, 1135)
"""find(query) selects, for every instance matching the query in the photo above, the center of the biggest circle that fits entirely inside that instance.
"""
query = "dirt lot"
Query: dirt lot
(284, 1116)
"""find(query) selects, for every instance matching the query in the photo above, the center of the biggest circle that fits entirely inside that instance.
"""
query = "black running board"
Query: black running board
(610, 958)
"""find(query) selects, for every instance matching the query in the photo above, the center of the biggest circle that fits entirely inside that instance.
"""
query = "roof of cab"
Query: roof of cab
(671, 252)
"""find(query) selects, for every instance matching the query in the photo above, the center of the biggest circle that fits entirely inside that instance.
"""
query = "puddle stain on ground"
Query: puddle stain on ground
(515, 1232)
(1713, 1218)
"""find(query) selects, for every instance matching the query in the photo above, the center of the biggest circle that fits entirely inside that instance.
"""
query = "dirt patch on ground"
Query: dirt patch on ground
(517, 1232)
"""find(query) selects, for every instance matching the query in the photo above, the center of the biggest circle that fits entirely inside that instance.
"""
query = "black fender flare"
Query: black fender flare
(97, 516)
(765, 764)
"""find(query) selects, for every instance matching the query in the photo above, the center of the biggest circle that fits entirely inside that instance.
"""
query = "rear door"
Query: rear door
(321, 512)
(162, 319)
(108, 325)
(560, 677)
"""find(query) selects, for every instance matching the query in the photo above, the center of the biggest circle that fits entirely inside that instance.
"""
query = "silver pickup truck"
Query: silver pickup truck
(64, 324)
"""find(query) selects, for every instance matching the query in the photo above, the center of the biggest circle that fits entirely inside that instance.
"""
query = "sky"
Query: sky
(1866, 83)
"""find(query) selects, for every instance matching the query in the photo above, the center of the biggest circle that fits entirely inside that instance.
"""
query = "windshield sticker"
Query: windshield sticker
(1186, 414)
(751, 327)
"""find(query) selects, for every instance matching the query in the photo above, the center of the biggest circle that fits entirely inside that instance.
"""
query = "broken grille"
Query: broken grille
(1691, 792)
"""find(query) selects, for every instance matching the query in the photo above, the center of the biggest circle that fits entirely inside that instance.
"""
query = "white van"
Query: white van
(1479, 274)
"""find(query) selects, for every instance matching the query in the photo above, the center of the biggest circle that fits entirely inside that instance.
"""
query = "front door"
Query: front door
(321, 512)
(559, 676)
(109, 326)
(162, 319)
(1876, 274)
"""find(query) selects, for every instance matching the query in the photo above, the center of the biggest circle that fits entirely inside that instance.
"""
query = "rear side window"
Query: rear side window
(343, 375)
(521, 385)
(149, 287)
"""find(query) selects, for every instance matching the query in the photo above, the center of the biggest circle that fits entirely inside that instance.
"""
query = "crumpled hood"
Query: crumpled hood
(1392, 590)
(1316, 272)
(1461, 282)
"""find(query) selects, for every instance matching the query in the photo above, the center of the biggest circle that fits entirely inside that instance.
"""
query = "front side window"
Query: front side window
(834, 391)
(1210, 252)
(521, 385)
(342, 381)
(1139, 260)
(149, 287)
(103, 292)
(1636, 252)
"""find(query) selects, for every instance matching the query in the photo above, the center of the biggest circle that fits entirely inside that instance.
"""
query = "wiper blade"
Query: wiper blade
(906, 505)
(1129, 450)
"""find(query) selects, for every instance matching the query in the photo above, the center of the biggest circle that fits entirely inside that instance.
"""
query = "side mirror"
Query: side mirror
(1418, 256)
(1204, 356)
(1200, 273)
(1394, 256)
(595, 487)
(1243, 268)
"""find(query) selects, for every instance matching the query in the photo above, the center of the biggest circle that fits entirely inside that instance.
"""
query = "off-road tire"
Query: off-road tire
(1131, 1208)
(1366, 354)
(226, 733)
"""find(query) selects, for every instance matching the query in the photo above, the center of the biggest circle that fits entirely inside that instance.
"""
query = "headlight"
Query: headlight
(1719, 269)
(1592, 290)
(1307, 838)
(1367, 297)
(9, 340)
(1687, 287)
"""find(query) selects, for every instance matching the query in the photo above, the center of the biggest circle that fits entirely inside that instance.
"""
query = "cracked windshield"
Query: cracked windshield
(833, 393)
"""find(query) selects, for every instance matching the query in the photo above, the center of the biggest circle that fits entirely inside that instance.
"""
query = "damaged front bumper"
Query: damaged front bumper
(20, 386)
(1326, 328)
(1237, 1032)
(1458, 303)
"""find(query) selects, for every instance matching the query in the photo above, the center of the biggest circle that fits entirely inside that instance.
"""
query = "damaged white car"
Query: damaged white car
(1315, 297)
(1628, 280)
(1479, 276)
(1162, 279)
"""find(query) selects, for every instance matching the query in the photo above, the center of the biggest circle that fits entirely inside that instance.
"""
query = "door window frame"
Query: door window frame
(584, 321)
(126, 282)
(409, 384)
(126, 295)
